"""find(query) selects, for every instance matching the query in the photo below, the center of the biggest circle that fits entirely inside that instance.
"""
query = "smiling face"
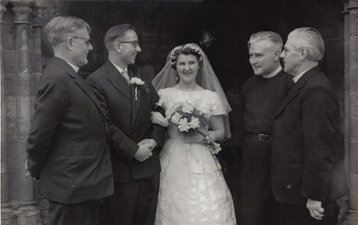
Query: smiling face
(263, 57)
(130, 49)
(187, 67)
(291, 57)
(81, 47)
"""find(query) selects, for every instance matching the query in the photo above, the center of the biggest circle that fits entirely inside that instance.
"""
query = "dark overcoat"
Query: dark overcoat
(67, 143)
(308, 153)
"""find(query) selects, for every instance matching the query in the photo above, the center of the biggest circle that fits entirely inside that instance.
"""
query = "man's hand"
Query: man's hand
(315, 208)
(150, 143)
(159, 119)
(143, 153)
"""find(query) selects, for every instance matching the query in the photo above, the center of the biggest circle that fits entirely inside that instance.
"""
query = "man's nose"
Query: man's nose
(282, 55)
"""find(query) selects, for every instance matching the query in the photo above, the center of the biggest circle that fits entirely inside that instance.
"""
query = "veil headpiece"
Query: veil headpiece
(206, 78)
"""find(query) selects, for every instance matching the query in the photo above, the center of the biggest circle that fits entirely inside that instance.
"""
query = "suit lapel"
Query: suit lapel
(118, 81)
(78, 79)
(296, 89)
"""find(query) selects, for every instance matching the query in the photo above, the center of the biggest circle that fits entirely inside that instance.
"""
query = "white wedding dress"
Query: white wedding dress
(192, 187)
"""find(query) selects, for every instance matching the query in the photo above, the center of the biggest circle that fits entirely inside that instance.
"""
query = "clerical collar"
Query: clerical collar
(75, 68)
(296, 78)
(274, 73)
(119, 68)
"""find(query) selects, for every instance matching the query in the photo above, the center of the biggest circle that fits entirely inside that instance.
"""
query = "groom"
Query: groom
(136, 164)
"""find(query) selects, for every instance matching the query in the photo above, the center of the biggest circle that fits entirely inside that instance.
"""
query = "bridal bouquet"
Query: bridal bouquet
(189, 119)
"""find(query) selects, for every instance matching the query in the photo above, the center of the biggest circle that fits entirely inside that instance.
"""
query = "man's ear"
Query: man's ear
(277, 55)
(303, 53)
(117, 47)
(70, 44)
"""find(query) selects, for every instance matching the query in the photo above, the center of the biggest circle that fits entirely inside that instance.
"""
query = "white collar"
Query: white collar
(76, 68)
(274, 73)
(296, 78)
(119, 68)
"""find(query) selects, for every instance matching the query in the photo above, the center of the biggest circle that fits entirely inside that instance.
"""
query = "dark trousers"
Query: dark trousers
(133, 203)
(300, 215)
(258, 205)
(85, 213)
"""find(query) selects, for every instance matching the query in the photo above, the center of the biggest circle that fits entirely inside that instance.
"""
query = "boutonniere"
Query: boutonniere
(138, 83)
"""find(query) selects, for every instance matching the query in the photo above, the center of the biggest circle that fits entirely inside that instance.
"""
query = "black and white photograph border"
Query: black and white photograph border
(221, 28)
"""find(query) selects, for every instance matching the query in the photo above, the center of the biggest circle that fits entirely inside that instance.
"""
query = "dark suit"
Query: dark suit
(132, 117)
(308, 154)
(67, 145)
(262, 97)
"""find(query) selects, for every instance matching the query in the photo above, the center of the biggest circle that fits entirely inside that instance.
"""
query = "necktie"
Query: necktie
(125, 75)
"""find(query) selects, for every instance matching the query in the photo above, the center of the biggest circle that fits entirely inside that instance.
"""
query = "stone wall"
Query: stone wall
(20, 70)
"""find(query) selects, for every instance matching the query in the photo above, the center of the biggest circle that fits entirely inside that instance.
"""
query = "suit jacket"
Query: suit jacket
(130, 120)
(67, 143)
(308, 153)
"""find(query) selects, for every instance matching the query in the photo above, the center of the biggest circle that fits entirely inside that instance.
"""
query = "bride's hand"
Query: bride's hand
(210, 138)
(159, 119)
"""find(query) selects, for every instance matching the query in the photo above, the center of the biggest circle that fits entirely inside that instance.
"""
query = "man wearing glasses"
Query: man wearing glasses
(67, 147)
(128, 105)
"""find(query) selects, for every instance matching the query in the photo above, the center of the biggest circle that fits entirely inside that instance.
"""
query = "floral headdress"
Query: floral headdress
(177, 50)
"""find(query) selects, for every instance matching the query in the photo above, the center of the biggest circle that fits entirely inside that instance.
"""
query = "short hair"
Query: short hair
(116, 32)
(311, 39)
(59, 28)
(187, 49)
(271, 36)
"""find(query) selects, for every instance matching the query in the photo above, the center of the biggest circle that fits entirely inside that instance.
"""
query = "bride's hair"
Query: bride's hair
(187, 49)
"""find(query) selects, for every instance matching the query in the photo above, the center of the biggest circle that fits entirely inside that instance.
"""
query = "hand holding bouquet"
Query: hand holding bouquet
(189, 119)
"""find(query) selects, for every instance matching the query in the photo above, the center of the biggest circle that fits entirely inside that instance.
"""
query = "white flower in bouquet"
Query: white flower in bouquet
(183, 125)
(194, 123)
(188, 108)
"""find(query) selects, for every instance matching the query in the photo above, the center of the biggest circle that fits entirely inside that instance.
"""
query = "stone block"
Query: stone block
(15, 185)
(35, 62)
(5, 192)
(10, 84)
(8, 216)
(34, 77)
(10, 64)
(3, 120)
(4, 156)
(23, 61)
(11, 116)
(23, 83)
(28, 187)
(24, 116)
(8, 36)
(17, 155)
(353, 160)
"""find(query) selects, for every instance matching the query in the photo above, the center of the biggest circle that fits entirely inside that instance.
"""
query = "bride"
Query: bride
(192, 187)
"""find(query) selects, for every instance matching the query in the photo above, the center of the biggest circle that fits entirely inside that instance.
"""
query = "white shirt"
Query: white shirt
(296, 78)
(119, 68)
(76, 68)
(274, 73)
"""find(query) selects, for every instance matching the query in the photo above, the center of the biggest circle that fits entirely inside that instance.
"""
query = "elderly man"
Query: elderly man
(263, 94)
(308, 157)
(67, 144)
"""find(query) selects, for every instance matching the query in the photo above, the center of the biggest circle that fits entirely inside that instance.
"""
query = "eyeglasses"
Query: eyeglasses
(134, 43)
(86, 40)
